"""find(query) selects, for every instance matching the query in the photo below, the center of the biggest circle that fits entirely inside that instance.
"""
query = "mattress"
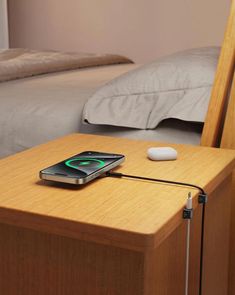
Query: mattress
(38, 109)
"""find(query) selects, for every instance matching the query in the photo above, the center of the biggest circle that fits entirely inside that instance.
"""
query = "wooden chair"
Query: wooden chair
(228, 134)
(219, 128)
(215, 116)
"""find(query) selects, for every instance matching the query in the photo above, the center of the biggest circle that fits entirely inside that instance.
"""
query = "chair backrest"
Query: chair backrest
(214, 122)
(228, 135)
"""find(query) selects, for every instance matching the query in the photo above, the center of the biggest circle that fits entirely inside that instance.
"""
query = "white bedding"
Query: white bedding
(38, 109)
(175, 86)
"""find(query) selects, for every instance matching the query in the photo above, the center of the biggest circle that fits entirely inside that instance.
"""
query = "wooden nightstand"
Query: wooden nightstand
(112, 236)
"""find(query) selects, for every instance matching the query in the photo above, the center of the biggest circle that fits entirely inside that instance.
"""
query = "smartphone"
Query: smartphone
(82, 168)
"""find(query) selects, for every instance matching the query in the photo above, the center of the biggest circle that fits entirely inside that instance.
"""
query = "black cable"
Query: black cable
(120, 175)
(203, 194)
(202, 248)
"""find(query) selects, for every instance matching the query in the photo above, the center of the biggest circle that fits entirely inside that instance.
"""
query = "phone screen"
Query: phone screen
(82, 165)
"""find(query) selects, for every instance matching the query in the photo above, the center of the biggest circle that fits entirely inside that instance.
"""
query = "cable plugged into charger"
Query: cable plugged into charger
(188, 210)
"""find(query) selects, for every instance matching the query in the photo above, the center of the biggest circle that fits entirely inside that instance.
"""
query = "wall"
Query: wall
(3, 24)
(141, 29)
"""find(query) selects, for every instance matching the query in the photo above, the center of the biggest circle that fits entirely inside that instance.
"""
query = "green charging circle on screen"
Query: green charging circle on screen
(84, 162)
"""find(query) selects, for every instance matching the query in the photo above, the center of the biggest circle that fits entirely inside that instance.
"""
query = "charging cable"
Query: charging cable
(120, 175)
(202, 199)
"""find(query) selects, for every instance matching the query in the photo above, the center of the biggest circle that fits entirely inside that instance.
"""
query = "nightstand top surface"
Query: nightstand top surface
(123, 212)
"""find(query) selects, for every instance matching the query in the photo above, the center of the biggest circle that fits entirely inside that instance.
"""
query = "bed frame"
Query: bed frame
(219, 127)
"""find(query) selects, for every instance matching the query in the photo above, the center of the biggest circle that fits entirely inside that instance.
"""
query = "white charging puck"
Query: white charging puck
(162, 153)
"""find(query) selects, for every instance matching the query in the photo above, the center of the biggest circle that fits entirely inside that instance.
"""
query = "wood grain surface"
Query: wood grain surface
(228, 135)
(228, 141)
(217, 241)
(165, 265)
(34, 262)
(128, 213)
(113, 236)
(220, 91)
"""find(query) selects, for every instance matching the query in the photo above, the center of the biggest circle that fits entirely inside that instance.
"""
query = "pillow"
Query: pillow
(176, 86)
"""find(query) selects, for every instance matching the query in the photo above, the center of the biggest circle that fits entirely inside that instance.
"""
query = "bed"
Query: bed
(36, 109)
